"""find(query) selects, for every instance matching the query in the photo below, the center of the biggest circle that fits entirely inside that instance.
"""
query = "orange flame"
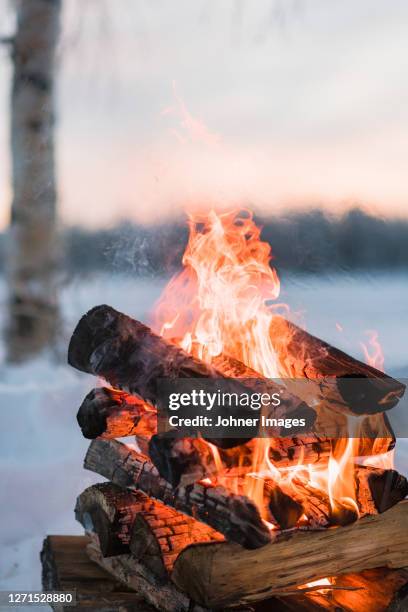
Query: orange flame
(373, 353)
(223, 301)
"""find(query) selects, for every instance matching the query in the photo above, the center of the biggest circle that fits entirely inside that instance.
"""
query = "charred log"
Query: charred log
(131, 357)
(181, 460)
(160, 535)
(302, 355)
(217, 574)
(235, 516)
(109, 511)
(185, 460)
(115, 414)
(377, 490)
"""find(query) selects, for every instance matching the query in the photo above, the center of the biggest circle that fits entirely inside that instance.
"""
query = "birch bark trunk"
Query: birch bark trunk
(33, 308)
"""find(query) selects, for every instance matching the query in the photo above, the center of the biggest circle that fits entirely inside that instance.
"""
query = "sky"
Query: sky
(275, 104)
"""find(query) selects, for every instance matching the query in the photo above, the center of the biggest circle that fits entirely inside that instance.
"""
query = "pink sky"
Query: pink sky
(276, 104)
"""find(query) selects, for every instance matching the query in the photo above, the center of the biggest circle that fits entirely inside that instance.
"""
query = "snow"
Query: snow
(42, 449)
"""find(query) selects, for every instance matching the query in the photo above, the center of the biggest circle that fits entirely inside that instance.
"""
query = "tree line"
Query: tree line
(311, 242)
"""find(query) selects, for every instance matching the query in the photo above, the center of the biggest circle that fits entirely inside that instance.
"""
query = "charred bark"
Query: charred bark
(131, 357)
(235, 516)
(109, 511)
(114, 414)
(302, 355)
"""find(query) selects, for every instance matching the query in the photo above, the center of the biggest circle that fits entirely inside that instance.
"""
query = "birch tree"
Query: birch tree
(33, 308)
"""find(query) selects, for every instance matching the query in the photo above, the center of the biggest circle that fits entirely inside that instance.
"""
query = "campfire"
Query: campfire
(226, 521)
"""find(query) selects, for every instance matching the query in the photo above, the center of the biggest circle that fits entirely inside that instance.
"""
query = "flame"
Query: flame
(322, 582)
(373, 353)
(223, 302)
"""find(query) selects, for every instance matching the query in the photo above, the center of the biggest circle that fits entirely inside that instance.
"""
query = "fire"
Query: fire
(223, 301)
(373, 353)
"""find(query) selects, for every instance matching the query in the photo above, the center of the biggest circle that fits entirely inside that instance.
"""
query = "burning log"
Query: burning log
(184, 460)
(128, 354)
(181, 461)
(159, 536)
(77, 560)
(377, 490)
(131, 357)
(235, 516)
(217, 574)
(110, 511)
(302, 355)
(115, 414)
(129, 521)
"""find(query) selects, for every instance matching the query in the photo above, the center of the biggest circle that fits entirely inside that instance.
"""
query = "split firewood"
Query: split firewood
(66, 566)
(69, 561)
(316, 502)
(114, 414)
(377, 489)
(217, 574)
(110, 511)
(302, 355)
(162, 594)
(159, 536)
(185, 460)
(235, 516)
(182, 461)
(129, 521)
(131, 357)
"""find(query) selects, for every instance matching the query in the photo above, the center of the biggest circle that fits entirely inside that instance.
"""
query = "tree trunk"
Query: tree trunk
(33, 310)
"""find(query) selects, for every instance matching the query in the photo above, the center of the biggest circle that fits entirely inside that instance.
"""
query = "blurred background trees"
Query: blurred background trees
(32, 249)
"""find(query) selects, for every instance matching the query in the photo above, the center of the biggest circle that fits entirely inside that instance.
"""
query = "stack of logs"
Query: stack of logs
(169, 525)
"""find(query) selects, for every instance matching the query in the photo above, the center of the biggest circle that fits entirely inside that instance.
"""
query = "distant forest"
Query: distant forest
(302, 242)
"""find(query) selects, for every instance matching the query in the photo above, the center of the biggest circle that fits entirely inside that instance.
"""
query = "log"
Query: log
(132, 358)
(377, 490)
(66, 566)
(114, 414)
(217, 574)
(182, 461)
(235, 516)
(129, 521)
(160, 535)
(163, 595)
(375, 590)
(109, 511)
(302, 355)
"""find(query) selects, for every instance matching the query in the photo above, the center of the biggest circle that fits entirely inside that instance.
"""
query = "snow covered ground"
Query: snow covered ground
(41, 447)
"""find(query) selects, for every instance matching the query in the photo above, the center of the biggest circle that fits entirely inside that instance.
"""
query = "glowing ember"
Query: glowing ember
(223, 301)
(317, 583)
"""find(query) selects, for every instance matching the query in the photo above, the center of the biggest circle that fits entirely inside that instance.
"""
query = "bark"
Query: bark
(217, 574)
(33, 310)
(67, 564)
(114, 414)
(302, 355)
(234, 516)
(131, 357)
(109, 512)
(160, 535)
(377, 490)
(163, 596)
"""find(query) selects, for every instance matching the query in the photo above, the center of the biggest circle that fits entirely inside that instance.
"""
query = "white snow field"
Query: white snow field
(41, 446)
